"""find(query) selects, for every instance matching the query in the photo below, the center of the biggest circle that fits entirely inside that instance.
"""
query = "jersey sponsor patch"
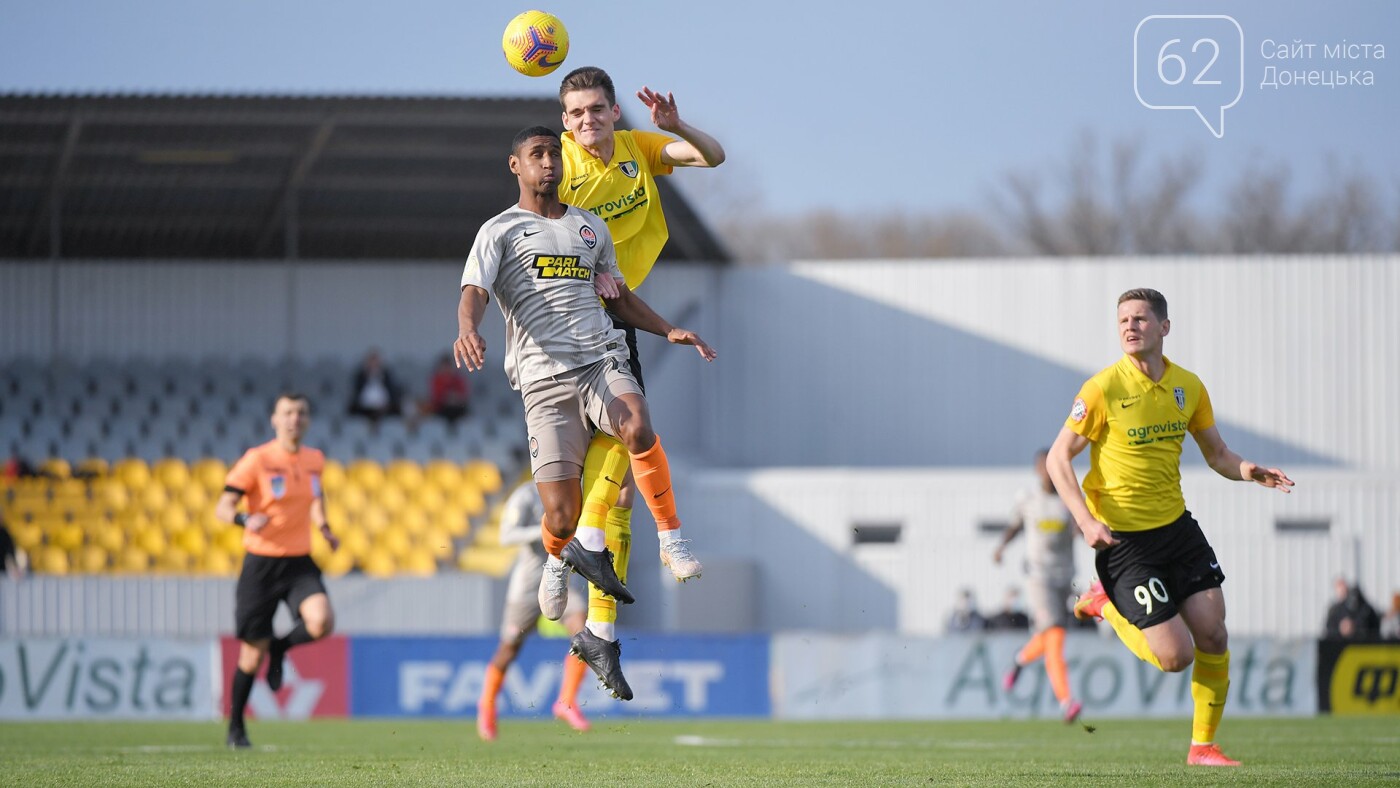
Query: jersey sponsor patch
(279, 486)
(629, 168)
(590, 238)
(561, 266)
(1080, 410)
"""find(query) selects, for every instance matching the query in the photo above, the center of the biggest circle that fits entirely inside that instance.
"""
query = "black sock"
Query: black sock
(242, 687)
(296, 637)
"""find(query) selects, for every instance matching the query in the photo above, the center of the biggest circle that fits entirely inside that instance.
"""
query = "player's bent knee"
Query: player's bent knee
(1176, 660)
(636, 433)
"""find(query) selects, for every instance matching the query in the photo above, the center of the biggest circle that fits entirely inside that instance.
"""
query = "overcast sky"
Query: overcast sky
(855, 107)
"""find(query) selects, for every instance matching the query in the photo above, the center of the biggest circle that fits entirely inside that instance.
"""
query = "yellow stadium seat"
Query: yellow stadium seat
(486, 475)
(374, 520)
(420, 563)
(152, 540)
(132, 472)
(338, 563)
(469, 500)
(93, 466)
(429, 498)
(192, 540)
(379, 565)
(350, 496)
(391, 497)
(413, 520)
(52, 561)
(455, 523)
(218, 562)
(153, 498)
(355, 543)
(193, 497)
(439, 541)
(133, 559)
(443, 473)
(68, 493)
(366, 473)
(209, 473)
(405, 473)
(28, 535)
(57, 467)
(174, 560)
(332, 475)
(110, 537)
(171, 472)
(395, 542)
(230, 540)
(67, 536)
(493, 561)
(111, 495)
(92, 560)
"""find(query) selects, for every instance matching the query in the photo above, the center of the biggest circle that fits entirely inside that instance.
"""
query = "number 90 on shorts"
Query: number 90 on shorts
(1153, 590)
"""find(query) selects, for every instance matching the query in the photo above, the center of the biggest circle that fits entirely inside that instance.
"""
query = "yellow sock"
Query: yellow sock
(618, 532)
(1131, 636)
(1210, 683)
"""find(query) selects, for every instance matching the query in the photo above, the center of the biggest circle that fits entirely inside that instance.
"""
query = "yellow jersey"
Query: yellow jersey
(623, 194)
(1136, 427)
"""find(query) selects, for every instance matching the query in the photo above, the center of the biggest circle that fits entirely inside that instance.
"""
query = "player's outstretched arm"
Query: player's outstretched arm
(1232, 466)
(695, 148)
(470, 349)
(635, 312)
(1059, 462)
(1012, 531)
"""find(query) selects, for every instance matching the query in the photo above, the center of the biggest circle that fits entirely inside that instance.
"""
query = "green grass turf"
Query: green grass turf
(1293, 752)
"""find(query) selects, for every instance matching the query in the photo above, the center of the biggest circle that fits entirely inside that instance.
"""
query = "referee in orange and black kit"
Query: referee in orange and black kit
(282, 480)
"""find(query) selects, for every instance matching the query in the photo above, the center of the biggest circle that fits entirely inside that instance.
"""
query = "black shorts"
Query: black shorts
(1148, 573)
(263, 583)
(633, 360)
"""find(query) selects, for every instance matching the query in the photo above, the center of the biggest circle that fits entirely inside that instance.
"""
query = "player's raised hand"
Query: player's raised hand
(1097, 535)
(469, 351)
(680, 336)
(1269, 477)
(664, 114)
(255, 522)
(605, 286)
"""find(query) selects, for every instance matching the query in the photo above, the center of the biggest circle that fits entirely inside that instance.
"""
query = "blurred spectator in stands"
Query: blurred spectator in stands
(1351, 617)
(1390, 622)
(448, 393)
(16, 467)
(374, 393)
(11, 557)
(965, 617)
(1011, 616)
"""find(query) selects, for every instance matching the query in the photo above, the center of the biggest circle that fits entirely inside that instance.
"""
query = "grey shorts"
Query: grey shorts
(561, 412)
(523, 601)
(1047, 598)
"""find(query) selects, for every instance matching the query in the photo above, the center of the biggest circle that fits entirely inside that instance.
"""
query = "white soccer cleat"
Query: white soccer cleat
(676, 555)
(554, 588)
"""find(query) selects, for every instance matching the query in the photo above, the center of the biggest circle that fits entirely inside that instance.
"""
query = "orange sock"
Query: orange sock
(491, 687)
(1033, 649)
(1055, 666)
(574, 670)
(652, 475)
(552, 544)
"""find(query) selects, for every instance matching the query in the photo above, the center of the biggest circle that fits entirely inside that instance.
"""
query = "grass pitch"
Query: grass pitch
(1293, 752)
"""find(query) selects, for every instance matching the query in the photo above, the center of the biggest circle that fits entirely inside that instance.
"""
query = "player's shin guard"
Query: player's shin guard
(602, 609)
(1131, 636)
(1055, 667)
(652, 474)
(1210, 683)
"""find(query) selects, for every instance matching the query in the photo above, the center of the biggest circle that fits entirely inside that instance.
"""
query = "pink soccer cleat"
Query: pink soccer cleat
(571, 714)
(1209, 755)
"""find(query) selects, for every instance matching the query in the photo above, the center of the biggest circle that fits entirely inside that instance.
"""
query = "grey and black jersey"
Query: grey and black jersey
(1050, 534)
(541, 273)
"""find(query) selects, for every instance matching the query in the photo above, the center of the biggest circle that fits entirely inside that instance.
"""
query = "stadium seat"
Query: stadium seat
(338, 563)
(92, 560)
(133, 560)
(485, 474)
(420, 563)
(67, 536)
(492, 561)
(379, 565)
(51, 561)
(57, 468)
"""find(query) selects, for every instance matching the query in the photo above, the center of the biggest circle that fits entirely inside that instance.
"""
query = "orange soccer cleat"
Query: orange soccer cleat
(486, 722)
(1209, 755)
(1090, 603)
(571, 714)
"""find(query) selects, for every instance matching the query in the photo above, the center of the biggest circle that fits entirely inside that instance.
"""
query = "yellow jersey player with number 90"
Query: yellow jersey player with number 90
(1159, 578)
(612, 173)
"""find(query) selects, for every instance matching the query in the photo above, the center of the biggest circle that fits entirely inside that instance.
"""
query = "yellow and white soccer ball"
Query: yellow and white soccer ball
(535, 43)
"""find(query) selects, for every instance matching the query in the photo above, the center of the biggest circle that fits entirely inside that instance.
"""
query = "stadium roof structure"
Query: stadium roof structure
(237, 176)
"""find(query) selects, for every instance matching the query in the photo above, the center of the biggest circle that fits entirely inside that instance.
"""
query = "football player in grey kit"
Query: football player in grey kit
(547, 265)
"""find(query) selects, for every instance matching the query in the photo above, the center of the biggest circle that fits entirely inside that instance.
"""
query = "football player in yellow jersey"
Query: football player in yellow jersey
(1159, 578)
(612, 173)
